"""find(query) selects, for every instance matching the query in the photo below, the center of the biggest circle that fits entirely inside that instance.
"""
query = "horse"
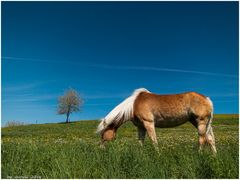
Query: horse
(147, 110)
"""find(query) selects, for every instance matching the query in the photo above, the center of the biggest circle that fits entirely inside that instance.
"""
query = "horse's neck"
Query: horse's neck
(116, 125)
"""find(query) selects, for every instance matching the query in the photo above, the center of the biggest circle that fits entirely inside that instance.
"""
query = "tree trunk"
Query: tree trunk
(68, 113)
(67, 121)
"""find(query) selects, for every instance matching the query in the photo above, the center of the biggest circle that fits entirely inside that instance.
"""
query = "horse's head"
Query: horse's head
(107, 131)
(109, 134)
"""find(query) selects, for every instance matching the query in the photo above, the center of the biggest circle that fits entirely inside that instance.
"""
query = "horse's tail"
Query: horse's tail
(211, 116)
(121, 113)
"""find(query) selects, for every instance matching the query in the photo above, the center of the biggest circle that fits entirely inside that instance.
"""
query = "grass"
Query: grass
(71, 151)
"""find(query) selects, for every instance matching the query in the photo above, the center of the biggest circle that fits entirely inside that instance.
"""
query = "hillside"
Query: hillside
(71, 151)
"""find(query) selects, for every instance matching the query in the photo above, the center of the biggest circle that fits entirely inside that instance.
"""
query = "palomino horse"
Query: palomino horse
(147, 111)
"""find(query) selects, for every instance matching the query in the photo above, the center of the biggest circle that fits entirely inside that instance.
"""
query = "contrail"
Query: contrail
(141, 68)
(146, 68)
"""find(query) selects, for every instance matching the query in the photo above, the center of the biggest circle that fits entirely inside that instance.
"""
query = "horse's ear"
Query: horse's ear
(104, 123)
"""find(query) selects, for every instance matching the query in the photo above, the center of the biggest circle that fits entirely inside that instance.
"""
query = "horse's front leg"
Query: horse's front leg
(141, 135)
(150, 127)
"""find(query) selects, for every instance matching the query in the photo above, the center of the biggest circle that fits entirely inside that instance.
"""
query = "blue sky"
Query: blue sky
(106, 50)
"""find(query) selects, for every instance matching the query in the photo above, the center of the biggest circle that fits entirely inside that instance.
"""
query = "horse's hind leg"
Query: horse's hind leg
(202, 128)
(204, 136)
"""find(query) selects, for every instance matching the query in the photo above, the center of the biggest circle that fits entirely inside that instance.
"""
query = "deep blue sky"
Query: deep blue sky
(106, 50)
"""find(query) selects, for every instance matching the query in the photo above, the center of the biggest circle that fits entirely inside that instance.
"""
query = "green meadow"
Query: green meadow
(72, 151)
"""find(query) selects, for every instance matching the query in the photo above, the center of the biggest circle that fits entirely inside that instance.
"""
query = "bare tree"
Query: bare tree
(14, 123)
(69, 102)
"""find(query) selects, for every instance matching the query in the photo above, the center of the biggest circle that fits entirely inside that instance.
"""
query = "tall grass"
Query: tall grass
(71, 151)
